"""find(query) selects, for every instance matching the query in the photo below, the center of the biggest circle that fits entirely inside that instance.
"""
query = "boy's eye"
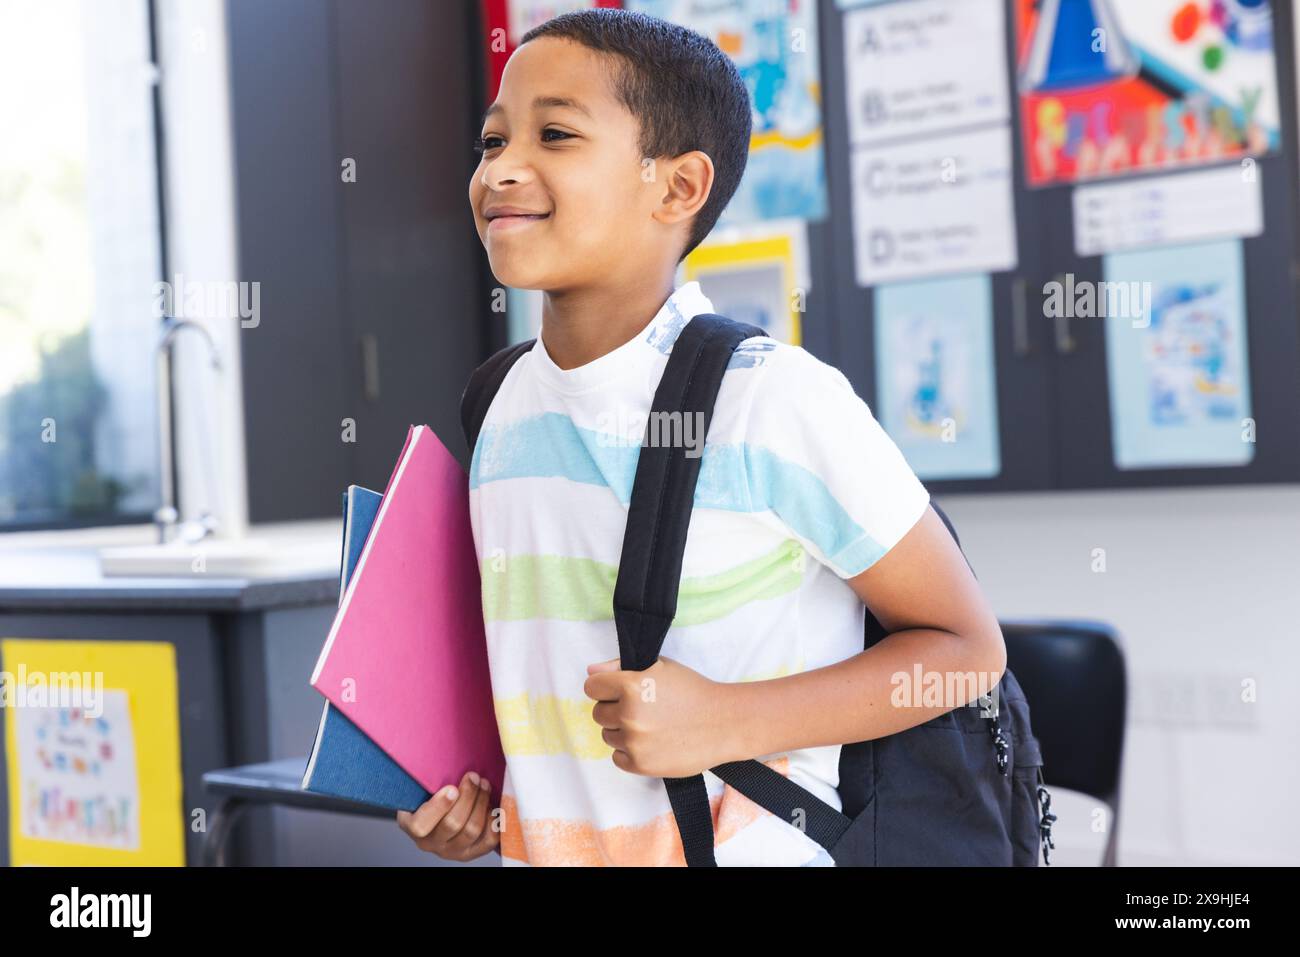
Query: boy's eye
(484, 143)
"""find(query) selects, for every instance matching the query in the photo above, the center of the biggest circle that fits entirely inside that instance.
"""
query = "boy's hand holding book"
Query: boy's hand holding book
(456, 823)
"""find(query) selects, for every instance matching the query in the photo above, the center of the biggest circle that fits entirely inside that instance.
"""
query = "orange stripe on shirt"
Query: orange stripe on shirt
(557, 842)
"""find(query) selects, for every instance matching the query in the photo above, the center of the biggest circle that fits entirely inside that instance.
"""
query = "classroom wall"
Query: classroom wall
(1201, 585)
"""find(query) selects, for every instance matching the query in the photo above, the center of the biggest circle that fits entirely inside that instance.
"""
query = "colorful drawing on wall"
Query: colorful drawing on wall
(92, 753)
(1178, 371)
(1109, 88)
(774, 46)
(78, 781)
(754, 278)
(506, 21)
(936, 391)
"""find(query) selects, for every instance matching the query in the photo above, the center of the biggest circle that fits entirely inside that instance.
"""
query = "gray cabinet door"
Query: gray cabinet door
(373, 291)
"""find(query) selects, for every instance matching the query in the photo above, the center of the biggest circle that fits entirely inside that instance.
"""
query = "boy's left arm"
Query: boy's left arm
(938, 623)
(839, 497)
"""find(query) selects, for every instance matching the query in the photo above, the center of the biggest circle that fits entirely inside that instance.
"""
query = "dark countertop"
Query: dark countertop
(63, 578)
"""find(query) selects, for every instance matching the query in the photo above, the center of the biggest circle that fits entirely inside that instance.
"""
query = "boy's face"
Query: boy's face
(597, 219)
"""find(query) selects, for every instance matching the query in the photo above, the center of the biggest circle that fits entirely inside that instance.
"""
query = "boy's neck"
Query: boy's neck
(581, 325)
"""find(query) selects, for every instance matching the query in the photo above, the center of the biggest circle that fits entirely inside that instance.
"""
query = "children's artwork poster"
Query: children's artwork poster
(936, 393)
(1176, 358)
(924, 67)
(934, 205)
(78, 773)
(506, 21)
(775, 48)
(92, 753)
(761, 279)
(1109, 88)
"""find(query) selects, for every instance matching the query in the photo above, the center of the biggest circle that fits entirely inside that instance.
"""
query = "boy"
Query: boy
(612, 148)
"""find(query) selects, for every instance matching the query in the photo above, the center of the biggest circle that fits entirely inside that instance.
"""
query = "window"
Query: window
(80, 256)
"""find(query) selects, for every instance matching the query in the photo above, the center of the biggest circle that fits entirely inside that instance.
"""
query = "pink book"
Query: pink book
(406, 657)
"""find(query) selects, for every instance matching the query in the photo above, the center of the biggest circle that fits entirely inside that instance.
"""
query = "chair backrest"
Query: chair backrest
(1073, 676)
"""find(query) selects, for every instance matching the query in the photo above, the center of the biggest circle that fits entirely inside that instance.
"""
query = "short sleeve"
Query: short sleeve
(817, 460)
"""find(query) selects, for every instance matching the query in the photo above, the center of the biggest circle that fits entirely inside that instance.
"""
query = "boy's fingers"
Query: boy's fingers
(425, 818)
(455, 819)
(487, 841)
(488, 837)
(474, 824)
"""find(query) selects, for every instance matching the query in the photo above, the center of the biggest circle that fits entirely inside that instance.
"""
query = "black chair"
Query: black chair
(270, 783)
(1073, 676)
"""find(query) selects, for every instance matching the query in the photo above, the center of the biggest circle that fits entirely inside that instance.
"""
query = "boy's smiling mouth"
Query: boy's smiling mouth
(510, 217)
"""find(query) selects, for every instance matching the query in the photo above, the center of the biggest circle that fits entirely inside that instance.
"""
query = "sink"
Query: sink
(218, 558)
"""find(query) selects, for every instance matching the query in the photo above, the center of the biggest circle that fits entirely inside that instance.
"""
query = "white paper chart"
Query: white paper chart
(1223, 203)
(930, 139)
(934, 205)
(924, 67)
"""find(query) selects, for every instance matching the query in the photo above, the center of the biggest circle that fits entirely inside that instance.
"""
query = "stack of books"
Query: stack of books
(404, 669)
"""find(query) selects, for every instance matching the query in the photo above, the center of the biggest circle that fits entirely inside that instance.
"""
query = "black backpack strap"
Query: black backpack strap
(482, 389)
(663, 488)
(649, 575)
(777, 794)
(654, 542)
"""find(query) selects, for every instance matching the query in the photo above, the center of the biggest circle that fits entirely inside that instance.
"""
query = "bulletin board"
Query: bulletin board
(976, 155)
(1160, 155)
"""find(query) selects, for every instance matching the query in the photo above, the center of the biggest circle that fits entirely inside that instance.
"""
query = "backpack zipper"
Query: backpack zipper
(1047, 818)
(991, 711)
(1045, 822)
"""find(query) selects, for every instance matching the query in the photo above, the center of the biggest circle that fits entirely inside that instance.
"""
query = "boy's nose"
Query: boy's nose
(498, 183)
(502, 172)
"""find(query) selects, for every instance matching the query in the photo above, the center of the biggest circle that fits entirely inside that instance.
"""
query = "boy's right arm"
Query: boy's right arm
(454, 824)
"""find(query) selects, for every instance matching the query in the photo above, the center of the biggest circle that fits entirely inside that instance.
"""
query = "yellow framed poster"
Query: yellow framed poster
(754, 280)
(92, 753)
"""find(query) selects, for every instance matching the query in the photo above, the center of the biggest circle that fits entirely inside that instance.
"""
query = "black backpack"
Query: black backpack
(963, 789)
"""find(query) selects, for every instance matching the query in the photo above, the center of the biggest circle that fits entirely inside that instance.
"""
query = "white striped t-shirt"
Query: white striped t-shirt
(796, 467)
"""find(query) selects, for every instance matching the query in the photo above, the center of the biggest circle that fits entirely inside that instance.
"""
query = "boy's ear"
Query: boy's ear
(688, 180)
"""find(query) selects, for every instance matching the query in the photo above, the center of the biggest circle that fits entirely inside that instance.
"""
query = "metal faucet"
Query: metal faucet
(166, 515)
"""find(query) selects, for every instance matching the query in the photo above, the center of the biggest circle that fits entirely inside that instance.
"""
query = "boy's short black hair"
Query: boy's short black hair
(686, 93)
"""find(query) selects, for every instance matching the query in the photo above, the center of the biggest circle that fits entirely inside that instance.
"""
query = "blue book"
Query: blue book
(344, 762)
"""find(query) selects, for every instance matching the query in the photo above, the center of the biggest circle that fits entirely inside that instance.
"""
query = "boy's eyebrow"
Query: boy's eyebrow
(541, 103)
